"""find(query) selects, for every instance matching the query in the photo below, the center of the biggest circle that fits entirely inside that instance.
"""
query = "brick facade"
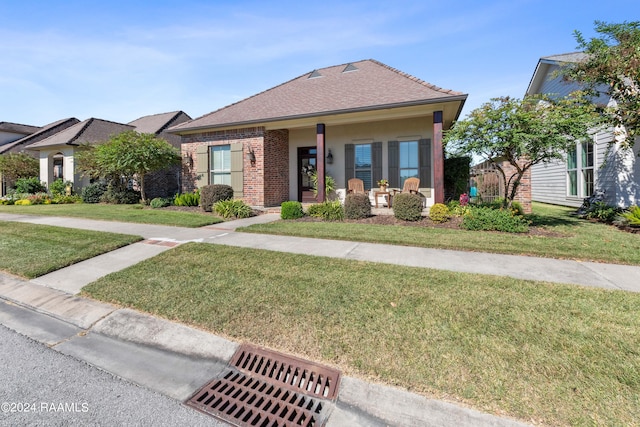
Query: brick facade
(266, 181)
(523, 194)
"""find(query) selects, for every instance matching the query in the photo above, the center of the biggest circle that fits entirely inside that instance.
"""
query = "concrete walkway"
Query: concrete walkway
(176, 360)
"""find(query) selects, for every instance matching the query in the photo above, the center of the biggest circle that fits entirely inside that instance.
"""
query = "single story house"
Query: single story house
(362, 119)
(599, 164)
(57, 151)
(19, 145)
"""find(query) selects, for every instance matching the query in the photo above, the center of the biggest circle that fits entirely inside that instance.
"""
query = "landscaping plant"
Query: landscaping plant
(488, 219)
(211, 194)
(29, 185)
(439, 213)
(92, 193)
(187, 199)
(291, 210)
(357, 206)
(328, 211)
(160, 202)
(232, 208)
(407, 206)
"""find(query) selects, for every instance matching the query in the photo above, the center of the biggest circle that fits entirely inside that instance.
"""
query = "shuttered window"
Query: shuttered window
(220, 164)
(409, 159)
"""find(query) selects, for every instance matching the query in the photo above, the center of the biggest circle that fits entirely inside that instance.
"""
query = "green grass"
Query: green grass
(572, 238)
(30, 250)
(125, 213)
(547, 353)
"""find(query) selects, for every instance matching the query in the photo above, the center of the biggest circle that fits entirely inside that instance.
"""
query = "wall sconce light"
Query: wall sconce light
(251, 156)
(188, 160)
(329, 158)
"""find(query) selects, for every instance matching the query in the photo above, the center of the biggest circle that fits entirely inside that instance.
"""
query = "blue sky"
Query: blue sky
(119, 60)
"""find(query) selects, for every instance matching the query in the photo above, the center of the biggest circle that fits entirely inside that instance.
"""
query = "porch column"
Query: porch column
(438, 158)
(320, 136)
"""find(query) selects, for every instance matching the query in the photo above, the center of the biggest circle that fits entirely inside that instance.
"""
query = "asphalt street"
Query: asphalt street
(42, 387)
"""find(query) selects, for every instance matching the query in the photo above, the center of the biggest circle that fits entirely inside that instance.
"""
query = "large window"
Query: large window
(363, 169)
(580, 171)
(220, 164)
(408, 160)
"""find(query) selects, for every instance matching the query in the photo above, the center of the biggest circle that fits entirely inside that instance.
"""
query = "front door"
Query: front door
(306, 167)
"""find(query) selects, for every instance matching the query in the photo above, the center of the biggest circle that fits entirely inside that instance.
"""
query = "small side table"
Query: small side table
(382, 193)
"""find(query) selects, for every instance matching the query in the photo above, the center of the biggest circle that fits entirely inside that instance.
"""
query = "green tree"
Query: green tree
(612, 66)
(522, 133)
(18, 165)
(130, 155)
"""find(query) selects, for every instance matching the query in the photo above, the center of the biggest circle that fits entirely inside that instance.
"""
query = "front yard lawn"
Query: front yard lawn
(545, 353)
(564, 237)
(31, 250)
(124, 213)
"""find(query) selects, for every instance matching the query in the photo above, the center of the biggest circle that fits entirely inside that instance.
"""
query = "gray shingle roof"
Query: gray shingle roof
(18, 128)
(43, 133)
(155, 123)
(358, 86)
(88, 131)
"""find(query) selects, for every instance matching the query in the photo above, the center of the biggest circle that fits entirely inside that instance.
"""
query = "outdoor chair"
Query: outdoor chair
(356, 186)
(411, 185)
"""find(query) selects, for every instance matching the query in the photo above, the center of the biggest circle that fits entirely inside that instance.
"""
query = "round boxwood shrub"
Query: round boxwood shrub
(407, 206)
(211, 194)
(357, 206)
(92, 193)
(439, 213)
(291, 210)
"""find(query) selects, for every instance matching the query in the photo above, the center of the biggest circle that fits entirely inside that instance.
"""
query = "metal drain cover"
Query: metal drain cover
(264, 388)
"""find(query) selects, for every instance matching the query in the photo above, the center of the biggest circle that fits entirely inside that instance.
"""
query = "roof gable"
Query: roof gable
(358, 86)
(88, 131)
(156, 123)
(18, 128)
(43, 133)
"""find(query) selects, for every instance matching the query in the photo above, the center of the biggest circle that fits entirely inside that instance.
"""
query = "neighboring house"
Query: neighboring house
(10, 132)
(57, 151)
(598, 164)
(167, 182)
(18, 146)
(362, 119)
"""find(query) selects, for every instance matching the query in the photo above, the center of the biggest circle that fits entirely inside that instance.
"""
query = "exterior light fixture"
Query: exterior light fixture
(251, 156)
(188, 160)
(329, 158)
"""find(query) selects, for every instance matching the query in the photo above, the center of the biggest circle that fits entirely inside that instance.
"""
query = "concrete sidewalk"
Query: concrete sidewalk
(176, 360)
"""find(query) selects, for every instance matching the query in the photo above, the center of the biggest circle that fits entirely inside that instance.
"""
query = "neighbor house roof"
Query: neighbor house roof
(565, 57)
(156, 123)
(18, 128)
(41, 134)
(88, 131)
(359, 86)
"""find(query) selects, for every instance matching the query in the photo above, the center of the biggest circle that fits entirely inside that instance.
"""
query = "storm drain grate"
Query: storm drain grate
(268, 389)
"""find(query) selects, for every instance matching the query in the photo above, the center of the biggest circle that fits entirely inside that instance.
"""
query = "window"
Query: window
(580, 170)
(363, 164)
(408, 160)
(220, 164)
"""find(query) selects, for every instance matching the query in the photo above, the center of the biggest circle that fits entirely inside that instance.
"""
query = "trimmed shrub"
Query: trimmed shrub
(187, 199)
(29, 185)
(328, 211)
(23, 202)
(160, 202)
(233, 208)
(120, 196)
(439, 213)
(357, 206)
(93, 192)
(291, 210)
(487, 219)
(211, 194)
(407, 207)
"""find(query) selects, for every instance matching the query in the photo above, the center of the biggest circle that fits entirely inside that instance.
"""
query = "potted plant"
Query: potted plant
(383, 183)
